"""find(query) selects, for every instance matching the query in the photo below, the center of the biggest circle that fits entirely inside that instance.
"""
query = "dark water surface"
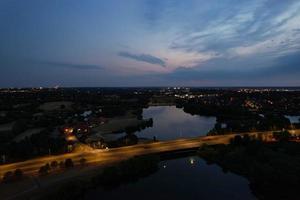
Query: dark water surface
(187, 178)
(170, 122)
(293, 119)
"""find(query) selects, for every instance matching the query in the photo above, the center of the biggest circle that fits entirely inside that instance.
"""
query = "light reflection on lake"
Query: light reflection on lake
(183, 178)
(293, 119)
(170, 122)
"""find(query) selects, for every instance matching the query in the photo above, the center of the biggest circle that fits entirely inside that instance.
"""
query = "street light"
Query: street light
(192, 161)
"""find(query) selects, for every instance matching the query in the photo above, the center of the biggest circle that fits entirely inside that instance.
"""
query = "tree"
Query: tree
(8, 177)
(47, 167)
(61, 164)
(82, 161)
(246, 139)
(237, 140)
(43, 170)
(69, 163)
(12, 176)
(54, 164)
(282, 135)
(18, 174)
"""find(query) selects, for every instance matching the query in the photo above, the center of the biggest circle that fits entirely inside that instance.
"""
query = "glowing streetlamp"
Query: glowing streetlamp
(192, 161)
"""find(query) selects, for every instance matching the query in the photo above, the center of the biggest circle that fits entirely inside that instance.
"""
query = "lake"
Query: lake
(182, 178)
(293, 119)
(170, 123)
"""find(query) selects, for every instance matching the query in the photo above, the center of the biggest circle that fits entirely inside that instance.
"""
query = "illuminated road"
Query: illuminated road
(104, 157)
(98, 157)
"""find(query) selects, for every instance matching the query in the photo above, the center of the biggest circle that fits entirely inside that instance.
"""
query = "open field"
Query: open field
(50, 106)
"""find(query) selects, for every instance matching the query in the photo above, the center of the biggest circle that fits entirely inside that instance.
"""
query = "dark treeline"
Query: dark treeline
(111, 177)
(21, 108)
(130, 138)
(238, 118)
(273, 169)
(36, 145)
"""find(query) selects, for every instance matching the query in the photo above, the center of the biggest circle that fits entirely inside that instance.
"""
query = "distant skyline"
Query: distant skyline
(101, 43)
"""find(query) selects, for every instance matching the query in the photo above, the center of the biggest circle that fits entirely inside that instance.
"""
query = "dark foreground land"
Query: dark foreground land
(36, 122)
(273, 169)
(40, 122)
(109, 178)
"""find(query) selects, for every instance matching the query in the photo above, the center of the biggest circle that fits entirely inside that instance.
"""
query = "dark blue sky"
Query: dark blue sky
(149, 43)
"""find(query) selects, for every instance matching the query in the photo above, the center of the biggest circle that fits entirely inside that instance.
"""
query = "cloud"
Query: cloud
(249, 28)
(220, 41)
(285, 66)
(72, 65)
(284, 72)
(143, 58)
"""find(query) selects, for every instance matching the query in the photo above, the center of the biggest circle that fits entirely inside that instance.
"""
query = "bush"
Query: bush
(18, 173)
(82, 161)
(8, 177)
(54, 164)
(282, 135)
(12, 176)
(61, 165)
(237, 140)
(47, 167)
(43, 170)
(246, 139)
(69, 163)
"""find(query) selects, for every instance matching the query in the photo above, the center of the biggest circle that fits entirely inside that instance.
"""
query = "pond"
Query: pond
(183, 178)
(293, 119)
(170, 122)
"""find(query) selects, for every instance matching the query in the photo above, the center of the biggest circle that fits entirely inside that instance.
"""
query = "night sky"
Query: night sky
(149, 43)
